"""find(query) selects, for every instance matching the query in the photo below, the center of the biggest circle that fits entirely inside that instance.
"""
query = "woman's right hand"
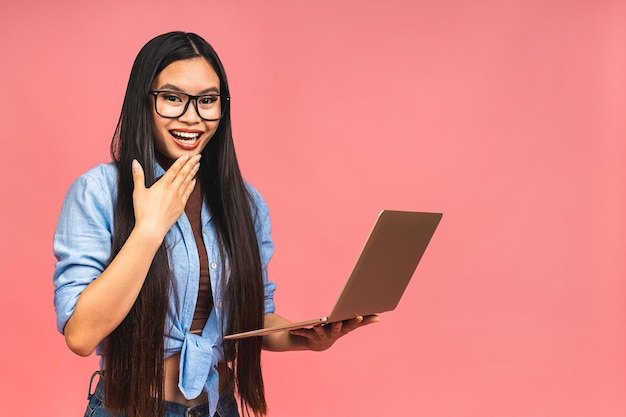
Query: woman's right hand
(106, 301)
(157, 208)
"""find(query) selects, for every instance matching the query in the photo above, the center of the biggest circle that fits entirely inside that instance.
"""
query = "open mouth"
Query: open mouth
(186, 139)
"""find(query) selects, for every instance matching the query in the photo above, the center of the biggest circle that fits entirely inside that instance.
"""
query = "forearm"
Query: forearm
(107, 300)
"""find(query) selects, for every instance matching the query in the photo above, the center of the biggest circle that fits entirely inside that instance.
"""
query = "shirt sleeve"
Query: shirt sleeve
(82, 240)
(263, 227)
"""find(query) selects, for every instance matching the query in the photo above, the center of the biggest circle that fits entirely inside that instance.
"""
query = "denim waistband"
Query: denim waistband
(171, 409)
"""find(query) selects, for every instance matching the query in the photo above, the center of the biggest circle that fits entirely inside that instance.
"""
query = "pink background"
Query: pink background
(507, 116)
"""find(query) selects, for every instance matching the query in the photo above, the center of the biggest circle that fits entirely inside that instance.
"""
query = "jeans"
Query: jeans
(226, 406)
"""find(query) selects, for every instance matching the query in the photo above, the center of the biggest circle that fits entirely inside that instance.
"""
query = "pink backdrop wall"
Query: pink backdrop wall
(506, 116)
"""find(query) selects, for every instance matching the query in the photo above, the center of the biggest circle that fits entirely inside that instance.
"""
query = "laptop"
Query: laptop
(382, 272)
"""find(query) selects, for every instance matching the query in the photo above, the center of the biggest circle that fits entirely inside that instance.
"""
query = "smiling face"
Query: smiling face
(187, 134)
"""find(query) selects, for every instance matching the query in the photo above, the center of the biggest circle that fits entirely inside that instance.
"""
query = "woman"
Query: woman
(164, 251)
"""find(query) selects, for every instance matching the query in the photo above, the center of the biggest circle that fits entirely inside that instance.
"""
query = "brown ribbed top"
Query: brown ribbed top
(205, 297)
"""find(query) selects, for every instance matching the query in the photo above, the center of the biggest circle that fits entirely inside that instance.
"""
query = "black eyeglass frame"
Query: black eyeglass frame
(224, 104)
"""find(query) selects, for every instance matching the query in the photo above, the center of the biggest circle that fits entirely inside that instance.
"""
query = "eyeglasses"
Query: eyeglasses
(173, 104)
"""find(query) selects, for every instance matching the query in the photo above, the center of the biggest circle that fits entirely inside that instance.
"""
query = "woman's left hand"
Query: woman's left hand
(321, 337)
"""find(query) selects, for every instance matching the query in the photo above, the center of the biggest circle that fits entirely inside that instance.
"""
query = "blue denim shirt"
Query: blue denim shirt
(82, 247)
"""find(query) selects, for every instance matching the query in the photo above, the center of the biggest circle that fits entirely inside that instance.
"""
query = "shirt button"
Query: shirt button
(219, 304)
(213, 265)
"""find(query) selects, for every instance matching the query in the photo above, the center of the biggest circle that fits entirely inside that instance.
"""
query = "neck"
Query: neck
(163, 160)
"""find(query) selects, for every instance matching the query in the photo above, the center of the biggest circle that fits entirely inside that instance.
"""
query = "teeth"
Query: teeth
(185, 135)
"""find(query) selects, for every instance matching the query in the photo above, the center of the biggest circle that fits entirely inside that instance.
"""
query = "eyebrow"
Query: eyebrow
(175, 88)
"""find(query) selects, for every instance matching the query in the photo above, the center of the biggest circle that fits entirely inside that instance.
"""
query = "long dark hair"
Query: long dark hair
(134, 352)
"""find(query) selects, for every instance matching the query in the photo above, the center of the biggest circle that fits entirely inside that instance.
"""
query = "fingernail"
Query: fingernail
(135, 165)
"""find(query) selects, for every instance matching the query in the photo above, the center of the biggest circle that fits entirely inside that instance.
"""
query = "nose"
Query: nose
(190, 114)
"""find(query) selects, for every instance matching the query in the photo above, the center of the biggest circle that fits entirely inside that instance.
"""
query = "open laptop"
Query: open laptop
(382, 272)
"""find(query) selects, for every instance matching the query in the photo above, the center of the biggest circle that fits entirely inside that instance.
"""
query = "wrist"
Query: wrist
(149, 236)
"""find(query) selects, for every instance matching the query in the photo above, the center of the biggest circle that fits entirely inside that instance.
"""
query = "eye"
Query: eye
(206, 100)
(172, 97)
